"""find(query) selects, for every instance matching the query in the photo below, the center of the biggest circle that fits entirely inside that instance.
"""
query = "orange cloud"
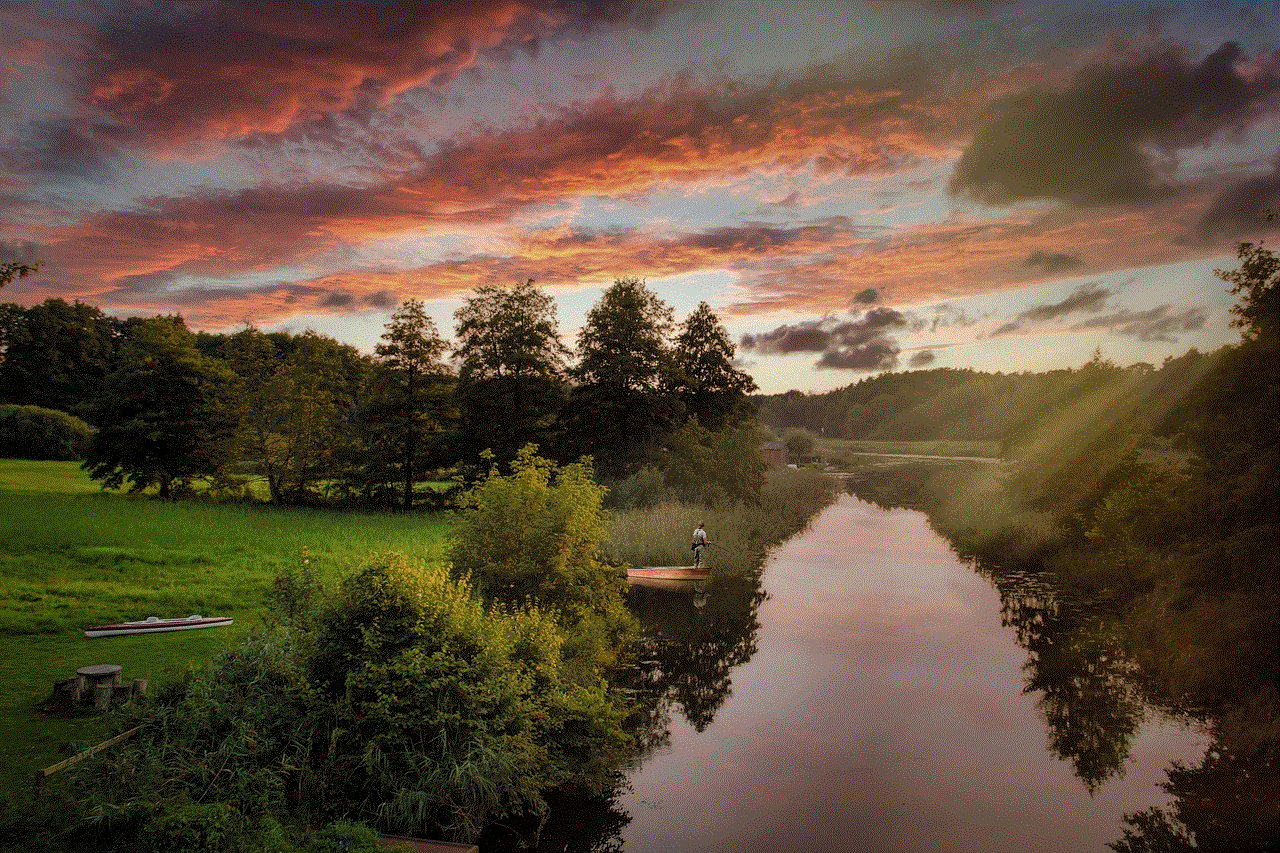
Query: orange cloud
(231, 68)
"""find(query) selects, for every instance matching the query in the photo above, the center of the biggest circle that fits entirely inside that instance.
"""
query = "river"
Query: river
(869, 690)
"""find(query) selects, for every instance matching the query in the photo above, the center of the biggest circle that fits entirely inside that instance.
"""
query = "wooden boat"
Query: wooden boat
(673, 573)
(155, 625)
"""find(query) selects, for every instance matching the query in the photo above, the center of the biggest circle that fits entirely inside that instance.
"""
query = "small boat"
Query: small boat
(154, 625)
(674, 573)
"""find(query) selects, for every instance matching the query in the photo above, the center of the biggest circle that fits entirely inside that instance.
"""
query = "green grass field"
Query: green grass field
(833, 448)
(71, 556)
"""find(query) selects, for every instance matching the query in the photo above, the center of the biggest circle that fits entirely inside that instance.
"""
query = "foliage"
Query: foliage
(1257, 283)
(409, 400)
(511, 376)
(443, 713)
(535, 535)
(10, 271)
(57, 355)
(623, 402)
(800, 444)
(658, 534)
(31, 432)
(293, 414)
(711, 388)
(713, 468)
(163, 412)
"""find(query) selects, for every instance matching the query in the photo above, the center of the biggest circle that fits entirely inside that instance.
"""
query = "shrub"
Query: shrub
(536, 535)
(31, 432)
(443, 713)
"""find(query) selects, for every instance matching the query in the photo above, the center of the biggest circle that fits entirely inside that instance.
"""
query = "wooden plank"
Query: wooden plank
(84, 753)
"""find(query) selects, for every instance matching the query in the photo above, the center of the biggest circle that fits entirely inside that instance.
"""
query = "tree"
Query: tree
(1257, 283)
(165, 412)
(292, 413)
(800, 444)
(711, 388)
(624, 399)
(441, 713)
(10, 271)
(410, 395)
(57, 355)
(511, 376)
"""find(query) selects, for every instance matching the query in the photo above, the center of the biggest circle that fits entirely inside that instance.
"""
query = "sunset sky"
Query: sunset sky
(853, 187)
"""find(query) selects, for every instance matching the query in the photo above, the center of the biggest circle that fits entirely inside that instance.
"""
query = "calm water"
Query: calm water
(870, 691)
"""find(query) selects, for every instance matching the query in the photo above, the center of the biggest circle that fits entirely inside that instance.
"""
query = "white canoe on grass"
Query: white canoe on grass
(155, 625)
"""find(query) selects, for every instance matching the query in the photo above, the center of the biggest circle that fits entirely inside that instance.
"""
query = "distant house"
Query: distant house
(774, 452)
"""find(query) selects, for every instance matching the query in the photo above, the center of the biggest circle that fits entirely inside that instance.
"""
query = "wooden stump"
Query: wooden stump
(102, 695)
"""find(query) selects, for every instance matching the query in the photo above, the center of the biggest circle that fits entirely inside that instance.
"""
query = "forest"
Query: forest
(303, 419)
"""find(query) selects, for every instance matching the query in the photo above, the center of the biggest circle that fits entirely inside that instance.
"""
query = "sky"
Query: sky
(853, 187)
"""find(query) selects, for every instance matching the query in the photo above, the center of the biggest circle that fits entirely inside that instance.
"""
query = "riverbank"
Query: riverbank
(1197, 629)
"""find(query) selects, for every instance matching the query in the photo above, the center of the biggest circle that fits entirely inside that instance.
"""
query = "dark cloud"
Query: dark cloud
(233, 67)
(859, 344)
(922, 358)
(866, 297)
(336, 299)
(1086, 297)
(1155, 324)
(73, 148)
(20, 252)
(1090, 297)
(1241, 209)
(946, 314)
(1051, 262)
(1089, 143)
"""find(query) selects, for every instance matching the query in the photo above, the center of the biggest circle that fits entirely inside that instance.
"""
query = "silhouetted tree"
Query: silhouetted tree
(711, 388)
(164, 414)
(409, 401)
(511, 374)
(623, 402)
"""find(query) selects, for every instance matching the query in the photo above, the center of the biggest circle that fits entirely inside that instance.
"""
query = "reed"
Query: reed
(661, 535)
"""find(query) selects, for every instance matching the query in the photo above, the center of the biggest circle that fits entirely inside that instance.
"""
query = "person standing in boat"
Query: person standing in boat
(700, 543)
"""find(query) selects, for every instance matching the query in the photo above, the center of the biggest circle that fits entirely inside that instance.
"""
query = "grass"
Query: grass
(834, 448)
(71, 556)
(660, 535)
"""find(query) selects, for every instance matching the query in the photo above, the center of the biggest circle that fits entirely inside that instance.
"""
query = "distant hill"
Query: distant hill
(968, 405)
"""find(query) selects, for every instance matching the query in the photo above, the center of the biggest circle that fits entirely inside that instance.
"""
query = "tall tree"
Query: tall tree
(624, 398)
(292, 412)
(57, 355)
(511, 373)
(711, 388)
(410, 397)
(165, 415)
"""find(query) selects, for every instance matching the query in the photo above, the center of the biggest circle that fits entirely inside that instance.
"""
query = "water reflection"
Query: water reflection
(883, 695)
(1077, 666)
(1093, 698)
(692, 639)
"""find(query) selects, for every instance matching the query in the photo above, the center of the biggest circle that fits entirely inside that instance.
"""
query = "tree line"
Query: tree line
(318, 421)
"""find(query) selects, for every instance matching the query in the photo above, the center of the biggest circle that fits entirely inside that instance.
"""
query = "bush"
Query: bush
(30, 432)
(443, 713)
(536, 535)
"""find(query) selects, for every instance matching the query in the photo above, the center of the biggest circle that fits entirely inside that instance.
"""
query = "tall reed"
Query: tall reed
(739, 534)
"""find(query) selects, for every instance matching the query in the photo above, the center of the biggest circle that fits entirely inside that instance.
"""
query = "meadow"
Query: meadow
(836, 449)
(72, 556)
